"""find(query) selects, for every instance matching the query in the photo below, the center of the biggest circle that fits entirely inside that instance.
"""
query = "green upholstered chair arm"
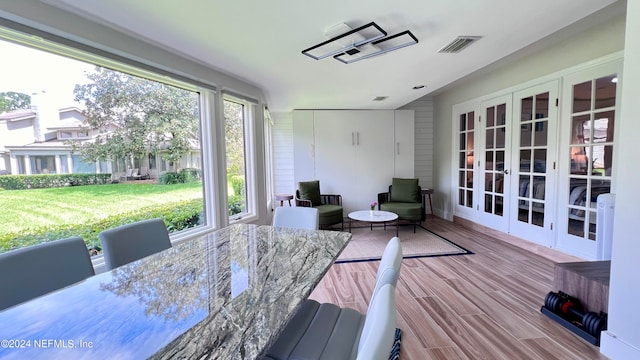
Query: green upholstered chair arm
(382, 198)
(332, 199)
(302, 202)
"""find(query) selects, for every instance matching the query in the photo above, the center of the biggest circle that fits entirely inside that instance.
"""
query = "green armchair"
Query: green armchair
(329, 205)
(405, 199)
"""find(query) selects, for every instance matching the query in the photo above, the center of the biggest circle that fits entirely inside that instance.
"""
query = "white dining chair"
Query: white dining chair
(35, 270)
(296, 217)
(131, 242)
(379, 327)
(390, 263)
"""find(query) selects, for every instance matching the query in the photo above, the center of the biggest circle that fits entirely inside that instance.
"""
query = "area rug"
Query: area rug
(395, 348)
(367, 244)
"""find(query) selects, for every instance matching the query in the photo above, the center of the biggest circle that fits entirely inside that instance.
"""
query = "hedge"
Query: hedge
(21, 182)
(177, 216)
(182, 177)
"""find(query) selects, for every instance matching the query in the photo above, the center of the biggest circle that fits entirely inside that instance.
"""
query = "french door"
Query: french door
(587, 156)
(494, 163)
(465, 168)
(534, 167)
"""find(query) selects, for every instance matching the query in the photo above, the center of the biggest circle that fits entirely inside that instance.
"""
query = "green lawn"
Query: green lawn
(22, 210)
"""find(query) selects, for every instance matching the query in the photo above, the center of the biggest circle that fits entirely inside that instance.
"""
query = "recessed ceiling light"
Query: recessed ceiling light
(379, 98)
(417, 87)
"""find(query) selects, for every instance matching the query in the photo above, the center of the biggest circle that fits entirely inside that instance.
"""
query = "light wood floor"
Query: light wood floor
(480, 306)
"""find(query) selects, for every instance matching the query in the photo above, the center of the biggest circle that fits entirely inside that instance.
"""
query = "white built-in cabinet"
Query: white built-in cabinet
(354, 153)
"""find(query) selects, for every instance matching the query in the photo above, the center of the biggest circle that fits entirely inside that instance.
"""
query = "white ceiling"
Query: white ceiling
(261, 41)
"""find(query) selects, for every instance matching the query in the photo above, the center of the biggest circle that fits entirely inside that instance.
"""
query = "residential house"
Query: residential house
(606, 43)
(37, 142)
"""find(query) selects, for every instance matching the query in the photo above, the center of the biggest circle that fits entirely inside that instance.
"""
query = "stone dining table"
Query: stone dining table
(224, 295)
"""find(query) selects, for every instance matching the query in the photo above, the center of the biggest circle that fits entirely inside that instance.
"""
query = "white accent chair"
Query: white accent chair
(296, 217)
(131, 242)
(39, 269)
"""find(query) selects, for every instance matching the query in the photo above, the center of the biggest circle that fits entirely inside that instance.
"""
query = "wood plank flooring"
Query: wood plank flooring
(480, 306)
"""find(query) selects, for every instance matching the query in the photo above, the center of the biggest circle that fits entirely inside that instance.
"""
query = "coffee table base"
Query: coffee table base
(374, 217)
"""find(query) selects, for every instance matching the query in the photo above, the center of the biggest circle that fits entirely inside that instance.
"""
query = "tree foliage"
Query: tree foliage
(234, 137)
(11, 100)
(136, 116)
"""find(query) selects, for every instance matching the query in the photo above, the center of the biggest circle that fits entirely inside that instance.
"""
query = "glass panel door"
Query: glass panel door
(534, 153)
(465, 160)
(466, 117)
(496, 162)
(587, 154)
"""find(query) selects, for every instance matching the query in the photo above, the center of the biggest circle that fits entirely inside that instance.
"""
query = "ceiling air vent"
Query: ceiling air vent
(379, 98)
(458, 44)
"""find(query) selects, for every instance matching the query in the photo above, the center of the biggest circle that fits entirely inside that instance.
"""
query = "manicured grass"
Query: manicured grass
(22, 210)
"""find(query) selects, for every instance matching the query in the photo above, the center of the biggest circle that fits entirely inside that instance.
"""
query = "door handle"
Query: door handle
(353, 141)
(506, 171)
(398, 147)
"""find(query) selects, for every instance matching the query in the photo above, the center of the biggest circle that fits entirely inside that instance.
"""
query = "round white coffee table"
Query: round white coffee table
(375, 216)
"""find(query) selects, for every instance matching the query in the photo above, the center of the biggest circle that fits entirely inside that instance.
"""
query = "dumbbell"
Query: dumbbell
(563, 304)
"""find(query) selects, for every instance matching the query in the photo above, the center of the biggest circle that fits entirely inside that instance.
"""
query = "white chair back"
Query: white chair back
(390, 263)
(379, 329)
(296, 217)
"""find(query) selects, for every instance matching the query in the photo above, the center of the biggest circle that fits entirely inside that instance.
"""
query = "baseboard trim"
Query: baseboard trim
(612, 347)
(546, 252)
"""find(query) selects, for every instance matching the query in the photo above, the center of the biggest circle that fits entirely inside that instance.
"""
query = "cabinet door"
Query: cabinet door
(354, 154)
(374, 157)
(404, 152)
(335, 150)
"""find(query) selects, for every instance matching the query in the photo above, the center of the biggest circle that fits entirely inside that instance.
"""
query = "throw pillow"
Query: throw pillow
(310, 190)
(404, 190)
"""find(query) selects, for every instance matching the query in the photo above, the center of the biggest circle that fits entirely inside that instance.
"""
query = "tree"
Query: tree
(12, 100)
(136, 116)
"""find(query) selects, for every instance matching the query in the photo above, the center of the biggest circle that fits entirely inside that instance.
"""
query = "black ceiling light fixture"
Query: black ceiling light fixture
(364, 42)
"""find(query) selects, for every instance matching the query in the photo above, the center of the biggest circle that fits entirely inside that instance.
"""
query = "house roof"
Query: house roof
(17, 115)
(68, 124)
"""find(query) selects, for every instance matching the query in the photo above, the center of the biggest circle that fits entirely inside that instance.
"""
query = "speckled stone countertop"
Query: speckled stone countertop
(225, 295)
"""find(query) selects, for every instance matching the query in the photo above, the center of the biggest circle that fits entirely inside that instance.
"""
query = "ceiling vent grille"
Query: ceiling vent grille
(458, 44)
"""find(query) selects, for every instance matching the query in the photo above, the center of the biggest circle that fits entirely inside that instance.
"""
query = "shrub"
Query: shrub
(177, 216)
(169, 178)
(181, 177)
(21, 182)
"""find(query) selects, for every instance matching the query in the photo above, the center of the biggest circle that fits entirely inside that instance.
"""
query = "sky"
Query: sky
(26, 70)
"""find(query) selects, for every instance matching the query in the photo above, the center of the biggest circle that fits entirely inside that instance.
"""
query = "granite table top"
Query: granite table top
(225, 295)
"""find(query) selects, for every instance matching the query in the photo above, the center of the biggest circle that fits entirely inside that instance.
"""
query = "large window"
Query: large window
(134, 119)
(235, 113)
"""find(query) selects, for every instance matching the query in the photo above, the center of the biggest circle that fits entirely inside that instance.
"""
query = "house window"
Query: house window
(43, 164)
(152, 161)
(65, 134)
(64, 165)
(81, 166)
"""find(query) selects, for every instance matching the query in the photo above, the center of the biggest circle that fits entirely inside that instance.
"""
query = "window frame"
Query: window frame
(250, 156)
(210, 118)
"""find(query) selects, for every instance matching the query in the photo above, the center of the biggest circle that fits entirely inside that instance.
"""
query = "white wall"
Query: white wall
(576, 45)
(622, 339)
